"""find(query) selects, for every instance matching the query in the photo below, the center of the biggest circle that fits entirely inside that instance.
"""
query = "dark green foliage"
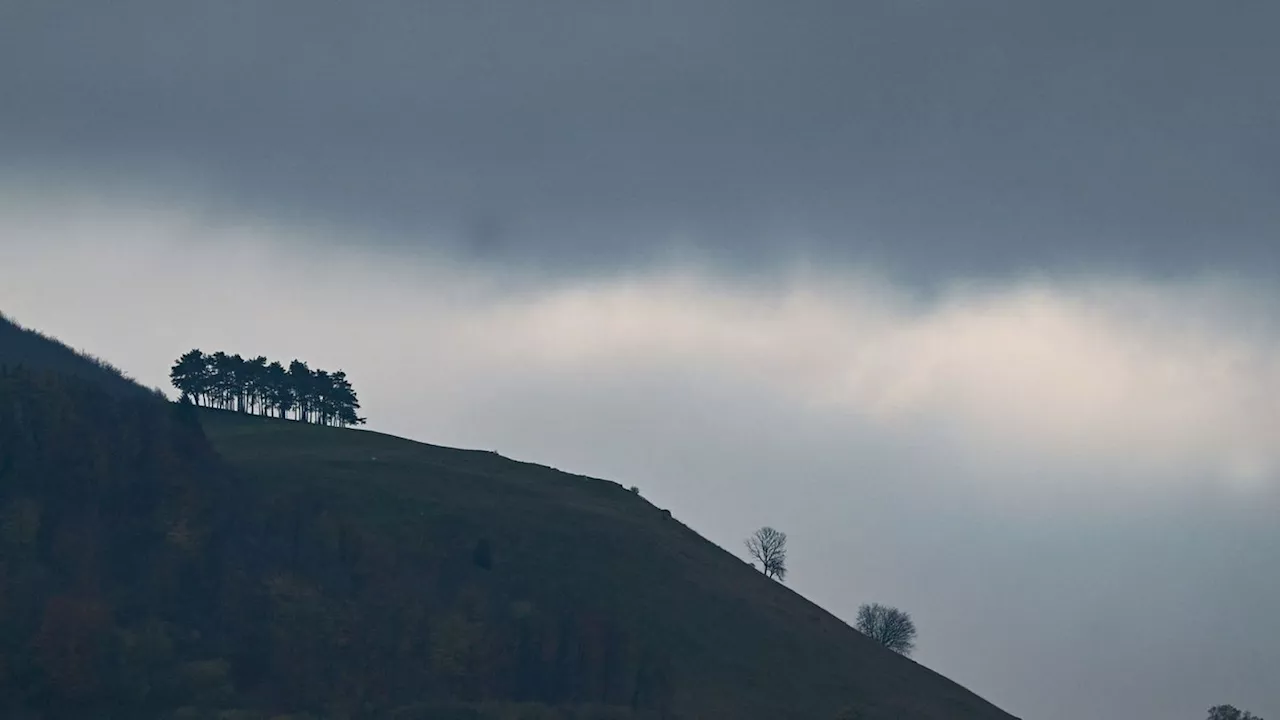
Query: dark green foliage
(230, 382)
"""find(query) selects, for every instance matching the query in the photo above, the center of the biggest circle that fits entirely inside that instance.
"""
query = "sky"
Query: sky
(976, 301)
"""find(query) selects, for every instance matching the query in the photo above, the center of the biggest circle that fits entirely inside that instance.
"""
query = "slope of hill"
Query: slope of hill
(21, 346)
(117, 551)
(633, 607)
(159, 561)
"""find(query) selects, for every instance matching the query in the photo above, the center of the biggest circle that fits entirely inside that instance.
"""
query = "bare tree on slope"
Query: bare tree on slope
(888, 626)
(769, 546)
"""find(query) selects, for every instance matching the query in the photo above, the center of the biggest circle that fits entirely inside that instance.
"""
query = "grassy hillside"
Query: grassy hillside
(20, 346)
(162, 562)
(727, 642)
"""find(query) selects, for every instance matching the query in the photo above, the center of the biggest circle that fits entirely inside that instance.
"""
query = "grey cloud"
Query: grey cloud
(931, 138)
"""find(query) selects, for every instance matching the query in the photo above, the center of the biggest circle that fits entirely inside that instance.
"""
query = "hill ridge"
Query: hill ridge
(202, 564)
(501, 469)
(20, 345)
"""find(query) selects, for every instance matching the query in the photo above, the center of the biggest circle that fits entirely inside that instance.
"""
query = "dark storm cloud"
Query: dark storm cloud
(937, 137)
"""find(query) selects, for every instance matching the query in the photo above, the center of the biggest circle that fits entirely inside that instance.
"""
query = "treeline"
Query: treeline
(259, 387)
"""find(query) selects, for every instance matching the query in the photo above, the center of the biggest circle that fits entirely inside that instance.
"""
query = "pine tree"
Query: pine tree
(187, 373)
(259, 387)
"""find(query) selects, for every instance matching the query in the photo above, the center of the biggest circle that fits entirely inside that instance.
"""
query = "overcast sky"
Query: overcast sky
(976, 300)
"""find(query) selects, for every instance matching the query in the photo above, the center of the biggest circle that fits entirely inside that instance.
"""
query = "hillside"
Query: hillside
(580, 551)
(159, 561)
(118, 552)
(20, 346)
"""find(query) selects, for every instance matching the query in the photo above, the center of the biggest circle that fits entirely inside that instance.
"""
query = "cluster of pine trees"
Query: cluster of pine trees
(254, 386)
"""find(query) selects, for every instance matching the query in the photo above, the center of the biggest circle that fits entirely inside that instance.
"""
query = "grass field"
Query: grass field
(738, 645)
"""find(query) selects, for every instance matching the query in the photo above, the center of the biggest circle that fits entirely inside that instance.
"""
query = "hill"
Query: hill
(159, 561)
(25, 347)
(597, 567)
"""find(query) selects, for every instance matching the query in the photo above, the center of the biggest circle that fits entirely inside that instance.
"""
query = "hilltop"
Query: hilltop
(173, 562)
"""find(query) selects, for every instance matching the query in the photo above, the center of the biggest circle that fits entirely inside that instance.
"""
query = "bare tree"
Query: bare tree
(769, 546)
(888, 626)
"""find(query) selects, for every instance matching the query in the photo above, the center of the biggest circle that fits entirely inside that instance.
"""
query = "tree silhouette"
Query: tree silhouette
(300, 381)
(888, 626)
(189, 376)
(1230, 712)
(769, 546)
(260, 387)
(256, 386)
(279, 396)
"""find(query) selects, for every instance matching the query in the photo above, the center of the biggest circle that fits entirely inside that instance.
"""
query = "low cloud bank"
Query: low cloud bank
(1120, 379)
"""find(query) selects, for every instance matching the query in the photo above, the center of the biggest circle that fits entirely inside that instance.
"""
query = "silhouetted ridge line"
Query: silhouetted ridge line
(24, 347)
(256, 387)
